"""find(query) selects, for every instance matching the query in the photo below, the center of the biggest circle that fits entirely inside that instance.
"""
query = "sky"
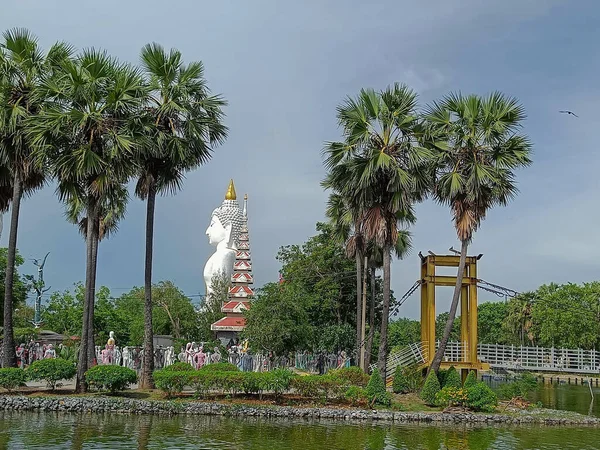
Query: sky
(284, 67)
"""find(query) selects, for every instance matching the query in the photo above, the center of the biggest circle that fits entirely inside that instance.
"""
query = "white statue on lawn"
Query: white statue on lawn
(223, 232)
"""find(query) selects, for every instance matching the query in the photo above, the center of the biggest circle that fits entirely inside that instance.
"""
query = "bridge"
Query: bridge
(507, 357)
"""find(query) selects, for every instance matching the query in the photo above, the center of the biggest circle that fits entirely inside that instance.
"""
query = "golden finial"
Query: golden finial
(245, 196)
(230, 195)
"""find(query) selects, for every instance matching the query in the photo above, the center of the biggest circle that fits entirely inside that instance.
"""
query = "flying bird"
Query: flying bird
(569, 112)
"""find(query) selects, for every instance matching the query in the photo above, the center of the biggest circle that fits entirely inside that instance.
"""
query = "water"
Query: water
(27, 430)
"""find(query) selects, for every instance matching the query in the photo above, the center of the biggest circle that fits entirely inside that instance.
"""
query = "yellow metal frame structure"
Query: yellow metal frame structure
(468, 310)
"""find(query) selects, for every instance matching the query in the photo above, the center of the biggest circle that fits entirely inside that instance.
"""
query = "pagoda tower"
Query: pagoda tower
(240, 293)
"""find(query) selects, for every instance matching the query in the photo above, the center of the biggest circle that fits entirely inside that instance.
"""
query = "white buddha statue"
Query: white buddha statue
(223, 232)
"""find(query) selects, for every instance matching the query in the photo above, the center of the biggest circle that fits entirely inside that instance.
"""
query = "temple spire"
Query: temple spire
(230, 195)
(245, 211)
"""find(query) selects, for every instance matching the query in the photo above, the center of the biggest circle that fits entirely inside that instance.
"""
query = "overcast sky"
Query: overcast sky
(284, 67)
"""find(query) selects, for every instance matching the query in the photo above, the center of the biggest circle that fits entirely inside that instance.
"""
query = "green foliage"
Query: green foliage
(481, 398)
(376, 392)
(220, 367)
(440, 324)
(403, 332)
(178, 367)
(471, 380)
(430, 389)
(490, 317)
(350, 375)
(171, 381)
(51, 371)
(356, 395)
(110, 378)
(279, 381)
(442, 373)
(451, 396)
(400, 383)
(452, 378)
(22, 285)
(12, 378)
(522, 387)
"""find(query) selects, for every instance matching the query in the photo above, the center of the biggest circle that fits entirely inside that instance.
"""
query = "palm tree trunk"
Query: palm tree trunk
(146, 379)
(91, 341)
(385, 315)
(82, 363)
(10, 357)
(363, 318)
(371, 319)
(358, 303)
(439, 354)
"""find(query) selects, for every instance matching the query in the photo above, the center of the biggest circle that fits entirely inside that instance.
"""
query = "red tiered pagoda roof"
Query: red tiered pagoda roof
(228, 323)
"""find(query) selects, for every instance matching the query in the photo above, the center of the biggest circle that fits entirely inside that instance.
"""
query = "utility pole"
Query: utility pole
(40, 289)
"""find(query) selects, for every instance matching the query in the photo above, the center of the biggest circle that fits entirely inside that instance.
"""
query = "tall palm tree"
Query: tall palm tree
(477, 150)
(86, 131)
(22, 66)
(345, 218)
(388, 170)
(182, 123)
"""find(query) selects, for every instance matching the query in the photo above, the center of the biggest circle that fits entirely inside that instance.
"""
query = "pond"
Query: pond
(27, 430)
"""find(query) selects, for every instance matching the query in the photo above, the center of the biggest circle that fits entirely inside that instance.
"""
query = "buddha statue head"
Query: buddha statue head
(226, 222)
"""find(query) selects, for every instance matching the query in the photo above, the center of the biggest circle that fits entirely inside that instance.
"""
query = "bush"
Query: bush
(110, 378)
(356, 395)
(481, 398)
(471, 380)
(442, 376)
(522, 387)
(51, 371)
(451, 396)
(172, 382)
(178, 367)
(278, 381)
(376, 392)
(350, 375)
(400, 383)
(430, 389)
(452, 379)
(220, 367)
(11, 378)
(251, 382)
(307, 386)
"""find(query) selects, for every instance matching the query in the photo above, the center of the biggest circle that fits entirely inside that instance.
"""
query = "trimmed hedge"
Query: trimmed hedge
(178, 367)
(480, 397)
(110, 378)
(11, 378)
(400, 383)
(352, 375)
(220, 367)
(452, 379)
(376, 392)
(51, 371)
(471, 380)
(430, 389)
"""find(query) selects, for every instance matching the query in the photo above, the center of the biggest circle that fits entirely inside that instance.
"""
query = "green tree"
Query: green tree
(403, 332)
(383, 170)
(477, 149)
(22, 67)
(21, 283)
(210, 310)
(277, 322)
(440, 324)
(85, 131)
(518, 323)
(490, 319)
(182, 123)
(64, 310)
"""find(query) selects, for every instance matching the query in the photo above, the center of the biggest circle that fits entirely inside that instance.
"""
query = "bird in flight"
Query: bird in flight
(569, 112)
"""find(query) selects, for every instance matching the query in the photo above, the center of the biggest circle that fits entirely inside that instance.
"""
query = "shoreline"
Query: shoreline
(121, 405)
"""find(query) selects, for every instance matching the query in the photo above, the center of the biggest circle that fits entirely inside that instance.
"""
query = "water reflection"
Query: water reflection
(91, 431)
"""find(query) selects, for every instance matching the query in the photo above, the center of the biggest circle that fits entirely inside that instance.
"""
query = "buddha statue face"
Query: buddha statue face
(226, 222)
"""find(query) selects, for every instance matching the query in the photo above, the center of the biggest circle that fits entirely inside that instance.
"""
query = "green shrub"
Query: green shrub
(481, 398)
(110, 378)
(350, 375)
(172, 382)
(51, 371)
(279, 381)
(11, 378)
(451, 396)
(400, 383)
(307, 386)
(522, 387)
(471, 380)
(376, 392)
(178, 367)
(430, 389)
(356, 395)
(442, 376)
(452, 378)
(251, 382)
(220, 367)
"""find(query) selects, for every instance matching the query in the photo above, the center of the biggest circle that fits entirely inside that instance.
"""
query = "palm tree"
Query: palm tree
(477, 150)
(22, 66)
(182, 123)
(86, 131)
(387, 171)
